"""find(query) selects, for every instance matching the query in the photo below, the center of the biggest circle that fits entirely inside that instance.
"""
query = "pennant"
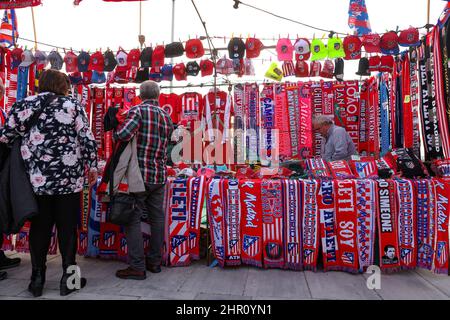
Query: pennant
(358, 18)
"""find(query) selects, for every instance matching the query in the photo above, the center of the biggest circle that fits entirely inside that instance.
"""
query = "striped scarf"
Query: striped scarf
(384, 116)
(366, 209)
(283, 111)
(83, 222)
(340, 169)
(305, 132)
(94, 222)
(292, 96)
(441, 248)
(310, 225)
(252, 118)
(232, 214)
(239, 122)
(317, 108)
(196, 194)
(215, 206)
(317, 168)
(11, 84)
(268, 123)
(22, 83)
(425, 222)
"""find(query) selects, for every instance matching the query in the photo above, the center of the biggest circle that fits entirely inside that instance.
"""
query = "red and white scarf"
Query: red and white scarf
(364, 169)
(366, 210)
(424, 189)
(340, 111)
(239, 124)
(373, 131)
(23, 239)
(232, 214)
(387, 226)
(97, 121)
(414, 86)
(292, 190)
(252, 119)
(340, 169)
(282, 120)
(196, 193)
(251, 222)
(215, 204)
(272, 216)
(407, 224)
(328, 229)
(310, 225)
(317, 168)
(292, 99)
(442, 167)
(7, 243)
(11, 84)
(363, 145)
(267, 98)
(352, 110)
(305, 132)
(441, 248)
(346, 221)
(84, 220)
(108, 135)
(317, 108)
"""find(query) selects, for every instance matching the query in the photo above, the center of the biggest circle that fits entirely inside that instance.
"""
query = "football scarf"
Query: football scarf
(385, 135)
(177, 211)
(83, 221)
(232, 214)
(292, 195)
(340, 169)
(328, 98)
(109, 236)
(293, 118)
(441, 248)
(252, 118)
(23, 239)
(32, 80)
(86, 102)
(94, 222)
(317, 108)
(387, 226)
(108, 135)
(272, 217)
(215, 206)
(268, 123)
(406, 215)
(11, 84)
(373, 134)
(414, 85)
(425, 217)
(305, 133)
(196, 194)
(363, 110)
(442, 167)
(407, 109)
(340, 111)
(97, 121)
(165, 250)
(239, 121)
(310, 225)
(328, 230)
(364, 169)
(22, 82)
(346, 220)
(251, 222)
(317, 168)
(365, 221)
(352, 110)
(284, 113)
(7, 243)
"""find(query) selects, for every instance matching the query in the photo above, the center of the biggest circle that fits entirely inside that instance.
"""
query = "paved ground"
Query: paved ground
(201, 282)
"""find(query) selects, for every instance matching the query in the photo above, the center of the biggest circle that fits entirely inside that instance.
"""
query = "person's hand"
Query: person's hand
(92, 177)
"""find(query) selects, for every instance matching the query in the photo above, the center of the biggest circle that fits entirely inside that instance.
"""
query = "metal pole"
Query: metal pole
(34, 29)
(172, 37)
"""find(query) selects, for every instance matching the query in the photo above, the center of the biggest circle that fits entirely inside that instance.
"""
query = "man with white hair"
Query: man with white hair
(337, 145)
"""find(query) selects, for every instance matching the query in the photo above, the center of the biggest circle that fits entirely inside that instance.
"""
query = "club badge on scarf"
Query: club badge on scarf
(231, 217)
(251, 222)
(441, 248)
(310, 225)
(215, 205)
(282, 118)
(196, 194)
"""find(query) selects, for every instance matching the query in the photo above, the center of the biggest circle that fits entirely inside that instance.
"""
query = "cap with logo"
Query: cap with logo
(98, 76)
(206, 67)
(363, 67)
(274, 72)
(87, 77)
(192, 68)
(253, 47)
(155, 74)
(133, 58)
(386, 64)
(16, 57)
(224, 66)
(41, 59)
(371, 43)
(27, 59)
(71, 61)
(318, 50)
(158, 57)
(389, 43)
(285, 49)
(409, 38)
(374, 63)
(76, 78)
(335, 48)
(179, 71)
(142, 75)
(109, 61)
(301, 69)
(55, 59)
(302, 48)
(194, 49)
(315, 68)
(97, 62)
(339, 69)
(167, 72)
(83, 61)
(327, 69)
(352, 47)
(174, 49)
(122, 60)
(236, 48)
(146, 57)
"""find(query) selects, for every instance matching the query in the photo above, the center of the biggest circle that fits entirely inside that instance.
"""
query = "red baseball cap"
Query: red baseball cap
(301, 69)
(179, 71)
(194, 49)
(158, 57)
(253, 47)
(389, 43)
(374, 63)
(87, 76)
(97, 62)
(409, 37)
(371, 43)
(206, 67)
(386, 64)
(133, 58)
(352, 47)
(71, 62)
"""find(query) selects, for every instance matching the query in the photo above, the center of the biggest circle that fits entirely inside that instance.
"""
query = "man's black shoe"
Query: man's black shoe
(153, 268)
(8, 263)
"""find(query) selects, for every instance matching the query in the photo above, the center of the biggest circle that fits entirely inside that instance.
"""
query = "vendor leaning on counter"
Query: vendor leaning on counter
(337, 142)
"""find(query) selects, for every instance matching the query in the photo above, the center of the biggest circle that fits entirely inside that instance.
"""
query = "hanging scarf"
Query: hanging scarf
(292, 93)
(239, 121)
(317, 168)
(32, 80)
(364, 169)
(346, 220)
(11, 84)
(387, 226)
(86, 102)
(23, 239)
(393, 96)
(232, 214)
(340, 112)
(406, 208)
(363, 110)
(425, 217)
(177, 211)
(442, 167)
(352, 110)
(268, 122)
(310, 225)
(252, 117)
(414, 82)
(272, 217)
(328, 98)
(305, 132)
(317, 109)
(215, 205)
(109, 236)
(366, 209)
(166, 243)
(384, 116)
(196, 194)
(97, 121)
(373, 134)
(328, 230)
(407, 108)
(83, 222)
(292, 195)
(108, 135)
(251, 222)
(94, 222)
(441, 248)
(7, 242)
(22, 83)
(340, 169)
(284, 112)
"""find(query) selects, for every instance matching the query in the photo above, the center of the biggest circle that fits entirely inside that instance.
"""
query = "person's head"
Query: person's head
(54, 81)
(321, 124)
(149, 90)
(389, 251)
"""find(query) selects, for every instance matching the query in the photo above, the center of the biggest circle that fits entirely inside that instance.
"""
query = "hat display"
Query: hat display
(71, 62)
(16, 55)
(155, 74)
(389, 43)
(253, 47)
(133, 58)
(363, 67)
(249, 69)
(302, 49)
(55, 59)
(371, 43)
(236, 48)
(158, 57)
(97, 62)
(179, 71)
(206, 68)
(146, 57)
(386, 64)
(142, 75)
(352, 47)
(409, 37)
(167, 72)
(224, 66)
(192, 68)
(339, 69)
(76, 78)
(327, 69)
(98, 77)
(122, 60)
(374, 63)
(335, 48)
(314, 68)
(288, 68)
(83, 61)
(194, 49)
(318, 50)
(174, 49)
(27, 59)
(41, 59)
(284, 49)
(109, 61)
(301, 69)
(274, 72)
(87, 77)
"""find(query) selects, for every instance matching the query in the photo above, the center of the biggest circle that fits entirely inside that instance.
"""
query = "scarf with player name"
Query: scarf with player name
(268, 123)
(317, 168)
(94, 222)
(196, 194)
(385, 137)
(305, 132)
(352, 110)
(98, 115)
(251, 222)
(441, 249)
(310, 225)
(365, 221)
(293, 108)
(425, 222)
(346, 221)
(292, 196)
(282, 120)
(83, 221)
(406, 215)
(340, 111)
(22, 82)
(215, 205)
(317, 109)
(178, 223)
(252, 122)
(387, 226)
(231, 217)
(363, 144)
(325, 203)
(414, 87)
(272, 216)
(340, 169)
(109, 102)
(373, 122)
(365, 168)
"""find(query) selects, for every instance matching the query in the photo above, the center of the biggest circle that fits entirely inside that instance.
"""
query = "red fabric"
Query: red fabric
(108, 135)
(407, 111)
(305, 132)
(97, 121)
(340, 111)
(310, 225)
(19, 4)
(352, 110)
(232, 214)
(363, 144)
(215, 205)
(441, 249)
(282, 121)
(109, 236)
(372, 122)
(196, 195)
(171, 103)
(340, 169)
